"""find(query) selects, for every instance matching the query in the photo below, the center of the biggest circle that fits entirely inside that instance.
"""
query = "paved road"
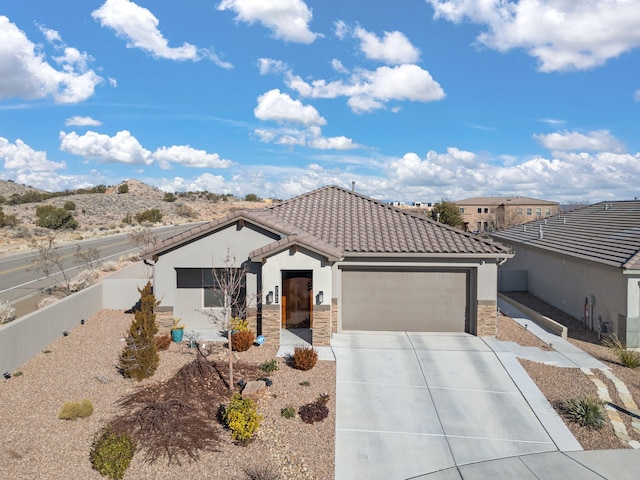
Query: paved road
(19, 280)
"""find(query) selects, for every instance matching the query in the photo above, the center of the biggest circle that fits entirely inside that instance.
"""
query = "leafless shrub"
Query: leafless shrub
(46, 301)
(185, 211)
(7, 312)
(142, 238)
(109, 266)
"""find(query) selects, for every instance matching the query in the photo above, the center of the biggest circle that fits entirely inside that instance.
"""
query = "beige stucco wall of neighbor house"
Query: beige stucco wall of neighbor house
(298, 259)
(565, 282)
(207, 252)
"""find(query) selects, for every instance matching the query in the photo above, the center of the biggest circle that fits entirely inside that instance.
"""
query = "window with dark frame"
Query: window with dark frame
(205, 279)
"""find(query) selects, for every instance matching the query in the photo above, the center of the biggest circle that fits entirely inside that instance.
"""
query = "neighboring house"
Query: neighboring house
(482, 214)
(585, 262)
(334, 260)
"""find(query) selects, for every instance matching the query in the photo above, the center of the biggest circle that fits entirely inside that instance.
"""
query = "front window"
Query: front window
(538, 212)
(547, 212)
(519, 211)
(461, 209)
(479, 210)
(213, 283)
(529, 212)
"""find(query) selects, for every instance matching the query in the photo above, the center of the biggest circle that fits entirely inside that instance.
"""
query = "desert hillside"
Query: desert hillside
(105, 213)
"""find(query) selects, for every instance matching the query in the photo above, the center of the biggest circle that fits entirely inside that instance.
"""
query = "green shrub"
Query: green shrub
(139, 358)
(153, 216)
(11, 221)
(243, 340)
(270, 366)
(124, 188)
(586, 411)
(111, 453)
(315, 411)
(239, 324)
(69, 205)
(75, 410)
(169, 197)
(242, 418)
(252, 197)
(305, 357)
(305, 383)
(288, 412)
(49, 216)
(628, 358)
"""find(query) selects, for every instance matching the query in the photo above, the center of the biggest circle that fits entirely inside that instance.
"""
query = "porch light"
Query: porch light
(320, 297)
(276, 299)
(270, 297)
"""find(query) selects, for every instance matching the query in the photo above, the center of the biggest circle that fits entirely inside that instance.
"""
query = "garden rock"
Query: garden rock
(254, 390)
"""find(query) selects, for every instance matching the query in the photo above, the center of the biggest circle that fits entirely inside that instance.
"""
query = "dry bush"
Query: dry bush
(242, 340)
(7, 312)
(75, 410)
(163, 341)
(304, 357)
(109, 266)
(46, 301)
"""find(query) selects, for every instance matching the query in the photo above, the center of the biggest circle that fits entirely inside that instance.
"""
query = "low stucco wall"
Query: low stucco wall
(21, 339)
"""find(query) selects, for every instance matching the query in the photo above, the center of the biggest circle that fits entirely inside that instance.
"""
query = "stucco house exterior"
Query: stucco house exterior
(585, 262)
(485, 214)
(332, 260)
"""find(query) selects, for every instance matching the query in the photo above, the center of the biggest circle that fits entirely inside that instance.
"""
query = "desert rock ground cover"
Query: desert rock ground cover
(562, 384)
(84, 366)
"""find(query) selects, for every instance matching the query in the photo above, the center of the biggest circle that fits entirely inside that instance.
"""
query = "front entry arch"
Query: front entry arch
(297, 299)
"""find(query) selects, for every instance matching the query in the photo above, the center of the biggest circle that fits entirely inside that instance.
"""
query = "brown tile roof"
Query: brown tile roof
(606, 232)
(336, 222)
(358, 224)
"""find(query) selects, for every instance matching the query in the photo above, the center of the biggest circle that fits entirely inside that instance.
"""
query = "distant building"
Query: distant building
(484, 214)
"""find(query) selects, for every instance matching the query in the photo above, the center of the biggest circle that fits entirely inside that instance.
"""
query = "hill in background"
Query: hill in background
(105, 213)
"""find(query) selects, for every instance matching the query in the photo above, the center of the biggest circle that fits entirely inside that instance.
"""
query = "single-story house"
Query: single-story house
(333, 260)
(585, 262)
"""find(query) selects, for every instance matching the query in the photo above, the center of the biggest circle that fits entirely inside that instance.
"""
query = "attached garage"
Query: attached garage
(406, 300)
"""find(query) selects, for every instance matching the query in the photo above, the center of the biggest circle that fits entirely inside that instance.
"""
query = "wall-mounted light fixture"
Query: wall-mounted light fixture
(270, 297)
(65, 334)
(82, 322)
(7, 375)
(320, 297)
(276, 300)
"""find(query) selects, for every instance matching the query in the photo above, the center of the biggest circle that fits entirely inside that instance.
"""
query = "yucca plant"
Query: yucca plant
(586, 411)
(628, 358)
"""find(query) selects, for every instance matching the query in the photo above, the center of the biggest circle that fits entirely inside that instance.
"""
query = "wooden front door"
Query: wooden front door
(297, 295)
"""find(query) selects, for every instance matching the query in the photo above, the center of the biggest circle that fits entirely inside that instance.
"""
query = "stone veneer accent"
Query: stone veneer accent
(334, 315)
(486, 318)
(271, 324)
(321, 325)
(252, 318)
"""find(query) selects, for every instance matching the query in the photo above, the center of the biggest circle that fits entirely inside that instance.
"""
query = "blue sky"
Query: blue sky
(414, 100)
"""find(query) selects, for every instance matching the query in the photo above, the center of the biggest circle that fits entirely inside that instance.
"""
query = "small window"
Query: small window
(547, 212)
(538, 212)
(486, 210)
(486, 226)
(479, 226)
(479, 210)
(519, 211)
(529, 212)
(461, 209)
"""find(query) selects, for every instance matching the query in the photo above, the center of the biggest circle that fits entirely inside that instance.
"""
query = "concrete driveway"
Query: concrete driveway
(409, 404)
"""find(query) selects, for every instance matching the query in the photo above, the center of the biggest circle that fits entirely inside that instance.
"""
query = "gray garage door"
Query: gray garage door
(419, 301)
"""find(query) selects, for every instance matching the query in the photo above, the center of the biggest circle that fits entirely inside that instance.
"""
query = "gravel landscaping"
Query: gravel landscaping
(562, 384)
(84, 366)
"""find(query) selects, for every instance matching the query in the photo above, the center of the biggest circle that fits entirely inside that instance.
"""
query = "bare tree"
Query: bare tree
(142, 238)
(50, 261)
(230, 288)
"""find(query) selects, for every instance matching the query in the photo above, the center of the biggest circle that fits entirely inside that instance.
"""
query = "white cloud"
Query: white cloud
(269, 65)
(281, 108)
(371, 90)
(459, 174)
(561, 34)
(30, 167)
(24, 71)
(125, 148)
(140, 27)
(341, 29)
(636, 95)
(394, 48)
(82, 122)
(338, 66)
(599, 140)
(121, 148)
(305, 137)
(204, 182)
(552, 121)
(287, 19)
(189, 157)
